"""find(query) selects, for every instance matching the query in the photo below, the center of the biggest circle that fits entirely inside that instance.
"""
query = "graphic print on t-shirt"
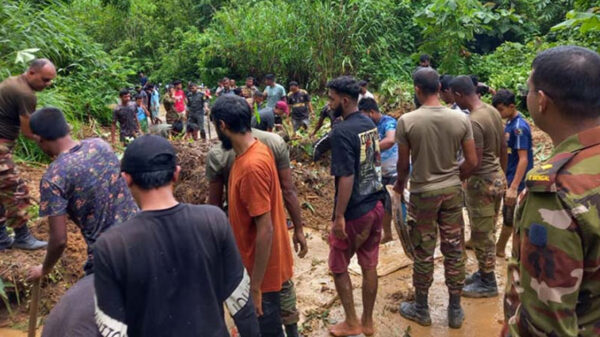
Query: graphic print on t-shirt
(370, 163)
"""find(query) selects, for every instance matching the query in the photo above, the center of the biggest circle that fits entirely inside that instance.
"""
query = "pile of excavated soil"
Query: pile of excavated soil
(315, 194)
(192, 186)
(15, 264)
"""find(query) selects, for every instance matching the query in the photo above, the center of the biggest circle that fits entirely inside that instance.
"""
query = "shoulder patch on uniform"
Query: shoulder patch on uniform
(543, 178)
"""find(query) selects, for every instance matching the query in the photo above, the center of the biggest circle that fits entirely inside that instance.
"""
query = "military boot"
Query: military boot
(417, 311)
(6, 240)
(483, 287)
(473, 277)
(456, 315)
(505, 234)
(24, 240)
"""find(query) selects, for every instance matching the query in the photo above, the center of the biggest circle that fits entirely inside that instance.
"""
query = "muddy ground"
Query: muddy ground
(317, 300)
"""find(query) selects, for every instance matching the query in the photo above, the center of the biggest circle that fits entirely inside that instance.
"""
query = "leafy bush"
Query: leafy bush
(309, 41)
(88, 78)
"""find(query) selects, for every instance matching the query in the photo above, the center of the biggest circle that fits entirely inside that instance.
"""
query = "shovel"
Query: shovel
(33, 308)
(401, 227)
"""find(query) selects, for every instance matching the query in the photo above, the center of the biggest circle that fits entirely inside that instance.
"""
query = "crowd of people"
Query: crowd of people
(159, 267)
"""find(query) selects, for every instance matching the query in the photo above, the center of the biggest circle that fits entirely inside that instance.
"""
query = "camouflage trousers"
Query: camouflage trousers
(427, 212)
(287, 296)
(14, 194)
(484, 196)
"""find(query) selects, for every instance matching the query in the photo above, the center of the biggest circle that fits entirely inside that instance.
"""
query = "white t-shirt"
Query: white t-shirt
(367, 94)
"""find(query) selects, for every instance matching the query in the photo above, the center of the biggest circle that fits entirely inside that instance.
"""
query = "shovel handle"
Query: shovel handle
(33, 308)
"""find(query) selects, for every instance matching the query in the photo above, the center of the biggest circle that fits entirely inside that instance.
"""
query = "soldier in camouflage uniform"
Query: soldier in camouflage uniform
(486, 187)
(554, 273)
(432, 135)
(17, 102)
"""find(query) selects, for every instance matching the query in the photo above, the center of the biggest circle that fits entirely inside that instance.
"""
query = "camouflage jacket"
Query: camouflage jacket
(553, 286)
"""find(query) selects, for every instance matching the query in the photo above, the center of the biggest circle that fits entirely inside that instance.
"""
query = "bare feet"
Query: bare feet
(368, 327)
(345, 329)
(386, 239)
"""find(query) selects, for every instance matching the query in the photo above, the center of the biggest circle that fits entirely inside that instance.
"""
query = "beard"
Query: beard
(338, 111)
(226, 143)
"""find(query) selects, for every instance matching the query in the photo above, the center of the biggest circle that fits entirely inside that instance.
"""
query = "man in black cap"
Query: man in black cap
(168, 270)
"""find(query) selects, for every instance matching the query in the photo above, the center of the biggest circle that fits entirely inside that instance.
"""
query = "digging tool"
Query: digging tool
(33, 308)
(208, 125)
(401, 227)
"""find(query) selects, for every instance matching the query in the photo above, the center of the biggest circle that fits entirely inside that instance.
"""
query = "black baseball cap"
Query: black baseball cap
(149, 153)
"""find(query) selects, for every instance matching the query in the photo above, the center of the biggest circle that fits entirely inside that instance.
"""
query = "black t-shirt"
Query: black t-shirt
(168, 273)
(73, 316)
(355, 151)
(298, 101)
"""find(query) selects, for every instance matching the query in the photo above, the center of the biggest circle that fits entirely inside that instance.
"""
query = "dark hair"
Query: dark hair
(482, 89)
(428, 80)
(293, 83)
(570, 75)
(138, 96)
(258, 93)
(462, 85)
(225, 79)
(124, 92)
(424, 57)
(151, 180)
(177, 126)
(176, 82)
(474, 79)
(363, 83)
(504, 97)
(192, 84)
(345, 85)
(367, 104)
(49, 123)
(445, 82)
(149, 86)
(237, 91)
(270, 77)
(234, 112)
(38, 64)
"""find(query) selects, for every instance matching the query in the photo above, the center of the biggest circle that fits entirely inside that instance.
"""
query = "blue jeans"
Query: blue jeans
(270, 322)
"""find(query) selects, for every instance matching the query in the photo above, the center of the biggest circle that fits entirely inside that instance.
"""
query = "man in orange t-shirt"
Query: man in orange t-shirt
(256, 211)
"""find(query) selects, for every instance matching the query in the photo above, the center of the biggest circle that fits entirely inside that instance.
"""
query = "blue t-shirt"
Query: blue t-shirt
(141, 115)
(518, 137)
(274, 94)
(389, 157)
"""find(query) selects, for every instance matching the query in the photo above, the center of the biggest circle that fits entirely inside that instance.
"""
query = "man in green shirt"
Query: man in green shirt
(17, 103)
(485, 188)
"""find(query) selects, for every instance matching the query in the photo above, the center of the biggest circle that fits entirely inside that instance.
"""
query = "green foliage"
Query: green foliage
(448, 25)
(308, 41)
(88, 78)
(584, 21)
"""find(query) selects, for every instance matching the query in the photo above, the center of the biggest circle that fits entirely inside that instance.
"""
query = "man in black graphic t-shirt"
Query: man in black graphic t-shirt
(168, 270)
(358, 215)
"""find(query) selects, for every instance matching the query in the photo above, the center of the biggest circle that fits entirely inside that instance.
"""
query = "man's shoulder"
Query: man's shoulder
(217, 153)
(573, 172)
(16, 85)
(268, 138)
